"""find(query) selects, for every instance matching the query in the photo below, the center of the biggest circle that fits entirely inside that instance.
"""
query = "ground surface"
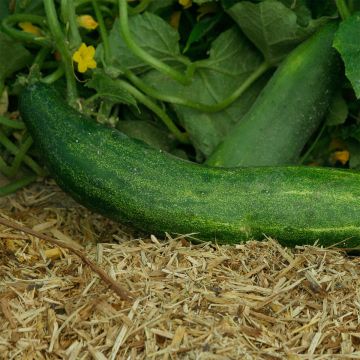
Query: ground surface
(252, 301)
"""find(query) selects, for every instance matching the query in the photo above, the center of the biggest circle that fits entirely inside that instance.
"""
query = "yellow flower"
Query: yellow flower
(341, 156)
(87, 22)
(185, 3)
(29, 28)
(84, 57)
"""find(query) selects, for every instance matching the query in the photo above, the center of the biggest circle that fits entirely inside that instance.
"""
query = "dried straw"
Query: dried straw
(257, 300)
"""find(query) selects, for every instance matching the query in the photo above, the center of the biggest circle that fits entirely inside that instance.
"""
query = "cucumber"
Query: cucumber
(288, 110)
(129, 181)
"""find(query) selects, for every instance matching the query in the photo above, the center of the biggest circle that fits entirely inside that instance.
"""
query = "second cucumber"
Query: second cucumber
(289, 109)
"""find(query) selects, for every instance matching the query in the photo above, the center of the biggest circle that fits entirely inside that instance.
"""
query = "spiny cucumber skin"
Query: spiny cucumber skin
(130, 182)
(288, 110)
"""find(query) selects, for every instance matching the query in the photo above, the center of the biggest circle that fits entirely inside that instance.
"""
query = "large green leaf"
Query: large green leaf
(232, 59)
(110, 89)
(147, 132)
(13, 56)
(201, 28)
(151, 33)
(347, 42)
(272, 27)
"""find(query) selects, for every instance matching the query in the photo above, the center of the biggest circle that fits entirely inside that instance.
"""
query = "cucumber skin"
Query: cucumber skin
(128, 181)
(288, 110)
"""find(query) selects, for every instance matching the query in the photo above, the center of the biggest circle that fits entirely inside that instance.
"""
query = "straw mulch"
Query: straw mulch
(252, 301)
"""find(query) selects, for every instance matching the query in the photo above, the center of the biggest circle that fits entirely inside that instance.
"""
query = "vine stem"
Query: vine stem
(103, 31)
(145, 56)
(40, 58)
(343, 9)
(69, 17)
(56, 75)
(11, 171)
(13, 124)
(8, 22)
(150, 91)
(312, 146)
(27, 159)
(16, 185)
(61, 45)
(19, 157)
(140, 8)
(182, 137)
(83, 2)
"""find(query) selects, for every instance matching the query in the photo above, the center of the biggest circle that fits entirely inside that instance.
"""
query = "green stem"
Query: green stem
(182, 137)
(14, 150)
(150, 91)
(40, 57)
(19, 157)
(140, 7)
(56, 75)
(103, 31)
(14, 124)
(312, 146)
(4, 168)
(83, 2)
(342, 9)
(50, 64)
(16, 185)
(351, 6)
(61, 45)
(69, 17)
(8, 28)
(145, 56)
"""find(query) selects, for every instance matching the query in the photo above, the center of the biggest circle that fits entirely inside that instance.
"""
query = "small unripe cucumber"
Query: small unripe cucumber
(129, 181)
(288, 110)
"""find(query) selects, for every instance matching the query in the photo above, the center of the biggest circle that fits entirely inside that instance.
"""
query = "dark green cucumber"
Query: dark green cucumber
(129, 181)
(288, 110)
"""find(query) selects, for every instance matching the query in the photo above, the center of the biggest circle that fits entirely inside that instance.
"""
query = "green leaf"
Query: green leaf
(272, 27)
(347, 43)
(110, 89)
(34, 7)
(147, 132)
(201, 28)
(13, 56)
(301, 10)
(151, 33)
(338, 111)
(232, 59)
(158, 6)
(322, 8)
